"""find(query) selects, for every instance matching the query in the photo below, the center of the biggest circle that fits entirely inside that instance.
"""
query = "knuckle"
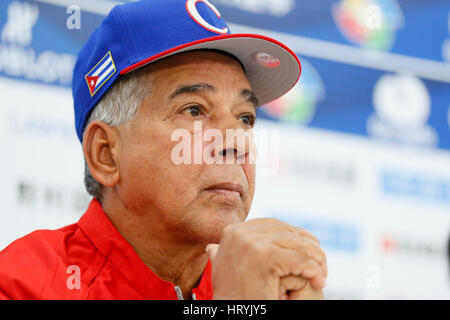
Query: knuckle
(258, 249)
(262, 253)
(247, 242)
(313, 249)
(231, 229)
(307, 234)
(228, 229)
(315, 270)
(240, 233)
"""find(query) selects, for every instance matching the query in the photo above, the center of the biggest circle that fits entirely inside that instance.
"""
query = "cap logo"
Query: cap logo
(266, 60)
(191, 6)
(101, 73)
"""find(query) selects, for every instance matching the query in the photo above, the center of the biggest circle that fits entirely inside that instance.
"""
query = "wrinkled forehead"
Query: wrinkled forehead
(197, 67)
(195, 57)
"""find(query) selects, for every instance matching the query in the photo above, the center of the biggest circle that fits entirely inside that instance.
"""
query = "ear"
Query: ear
(101, 149)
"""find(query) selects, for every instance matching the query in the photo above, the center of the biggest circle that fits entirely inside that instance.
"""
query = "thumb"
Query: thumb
(211, 250)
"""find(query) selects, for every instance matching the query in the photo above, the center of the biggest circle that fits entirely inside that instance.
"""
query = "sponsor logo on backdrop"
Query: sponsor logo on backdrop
(19, 59)
(319, 171)
(278, 8)
(306, 168)
(32, 194)
(415, 186)
(446, 45)
(299, 105)
(392, 244)
(402, 107)
(448, 116)
(35, 125)
(332, 235)
(370, 24)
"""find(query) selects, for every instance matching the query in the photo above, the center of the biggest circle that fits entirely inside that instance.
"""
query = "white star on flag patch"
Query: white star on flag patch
(101, 73)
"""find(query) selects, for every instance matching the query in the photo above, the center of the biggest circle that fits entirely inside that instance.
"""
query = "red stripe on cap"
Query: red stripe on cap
(226, 36)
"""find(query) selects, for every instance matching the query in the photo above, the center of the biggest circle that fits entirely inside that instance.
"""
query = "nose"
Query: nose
(234, 145)
(229, 155)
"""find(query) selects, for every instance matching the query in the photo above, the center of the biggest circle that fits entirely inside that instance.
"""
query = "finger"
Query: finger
(211, 250)
(270, 225)
(303, 246)
(291, 283)
(285, 262)
(313, 272)
(308, 292)
(305, 233)
(309, 269)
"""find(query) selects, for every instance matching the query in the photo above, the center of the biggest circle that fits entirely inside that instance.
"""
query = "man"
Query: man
(158, 229)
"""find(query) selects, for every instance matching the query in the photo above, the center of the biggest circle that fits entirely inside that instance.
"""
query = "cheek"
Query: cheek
(149, 177)
(249, 170)
(141, 155)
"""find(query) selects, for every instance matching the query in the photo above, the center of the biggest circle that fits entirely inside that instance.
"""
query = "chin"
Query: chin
(205, 222)
(218, 220)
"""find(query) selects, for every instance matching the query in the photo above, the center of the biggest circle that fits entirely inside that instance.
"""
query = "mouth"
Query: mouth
(234, 190)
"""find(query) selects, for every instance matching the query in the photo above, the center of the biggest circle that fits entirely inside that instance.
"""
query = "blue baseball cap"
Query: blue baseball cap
(138, 33)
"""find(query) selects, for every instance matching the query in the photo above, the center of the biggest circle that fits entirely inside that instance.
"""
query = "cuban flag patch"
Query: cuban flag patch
(101, 73)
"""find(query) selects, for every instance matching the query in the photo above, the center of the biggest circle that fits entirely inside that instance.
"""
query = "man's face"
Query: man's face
(190, 201)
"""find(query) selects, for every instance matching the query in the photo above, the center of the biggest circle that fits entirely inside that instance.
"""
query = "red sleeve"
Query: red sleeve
(3, 296)
(25, 267)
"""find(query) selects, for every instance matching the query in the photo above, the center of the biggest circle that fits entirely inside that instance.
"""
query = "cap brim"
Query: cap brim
(268, 82)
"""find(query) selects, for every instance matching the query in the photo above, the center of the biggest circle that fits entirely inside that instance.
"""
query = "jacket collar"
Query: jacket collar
(108, 240)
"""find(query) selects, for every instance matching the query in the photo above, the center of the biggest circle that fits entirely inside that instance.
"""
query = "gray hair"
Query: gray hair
(119, 105)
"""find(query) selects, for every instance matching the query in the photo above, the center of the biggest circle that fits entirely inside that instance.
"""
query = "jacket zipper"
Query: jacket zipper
(180, 294)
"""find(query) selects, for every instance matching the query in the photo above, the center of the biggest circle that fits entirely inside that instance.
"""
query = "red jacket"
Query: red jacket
(87, 260)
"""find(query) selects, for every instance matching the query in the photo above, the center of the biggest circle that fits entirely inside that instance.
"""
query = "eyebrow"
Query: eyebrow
(204, 87)
(199, 87)
(251, 97)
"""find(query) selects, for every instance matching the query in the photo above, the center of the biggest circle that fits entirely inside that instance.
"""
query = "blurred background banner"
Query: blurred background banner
(363, 152)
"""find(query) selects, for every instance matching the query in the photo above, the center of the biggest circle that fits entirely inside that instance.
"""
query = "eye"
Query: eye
(193, 111)
(248, 120)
